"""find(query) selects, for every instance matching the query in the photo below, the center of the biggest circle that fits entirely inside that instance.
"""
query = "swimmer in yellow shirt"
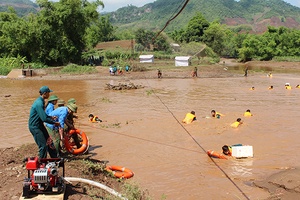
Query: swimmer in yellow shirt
(236, 123)
(252, 88)
(189, 117)
(288, 86)
(271, 87)
(248, 113)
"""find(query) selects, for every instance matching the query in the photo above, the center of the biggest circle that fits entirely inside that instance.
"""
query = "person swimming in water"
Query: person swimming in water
(216, 114)
(236, 123)
(248, 113)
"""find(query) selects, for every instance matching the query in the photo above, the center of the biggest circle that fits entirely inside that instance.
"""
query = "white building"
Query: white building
(182, 60)
(146, 58)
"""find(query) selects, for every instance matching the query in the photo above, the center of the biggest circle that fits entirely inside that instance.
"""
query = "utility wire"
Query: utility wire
(227, 176)
(172, 18)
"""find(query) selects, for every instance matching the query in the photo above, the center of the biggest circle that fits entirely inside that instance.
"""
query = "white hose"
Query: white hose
(104, 187)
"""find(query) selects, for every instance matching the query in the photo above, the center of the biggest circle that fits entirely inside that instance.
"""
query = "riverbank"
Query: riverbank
(225, 68)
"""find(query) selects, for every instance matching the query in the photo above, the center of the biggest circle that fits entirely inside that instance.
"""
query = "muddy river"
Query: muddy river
(142, 130)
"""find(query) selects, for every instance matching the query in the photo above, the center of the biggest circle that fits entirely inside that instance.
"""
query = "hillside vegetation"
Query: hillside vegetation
(22, 7)
(249, 15)
(255, 14)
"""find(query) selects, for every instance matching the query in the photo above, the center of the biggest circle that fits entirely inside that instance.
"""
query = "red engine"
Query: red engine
(43, 176)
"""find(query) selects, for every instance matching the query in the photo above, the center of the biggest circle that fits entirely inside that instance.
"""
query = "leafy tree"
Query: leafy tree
(178, 35)
(161, 44)
(249, 48)
(99, 31)
(195, 28)
(13, 34)
(60, 28)
(144, 38)
(215, 37)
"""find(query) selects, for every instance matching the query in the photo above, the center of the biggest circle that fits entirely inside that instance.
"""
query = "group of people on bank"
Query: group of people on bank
(117, 70)
(47, 123)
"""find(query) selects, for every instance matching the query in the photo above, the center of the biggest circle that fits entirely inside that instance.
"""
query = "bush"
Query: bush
(9, 63)
(77, 69)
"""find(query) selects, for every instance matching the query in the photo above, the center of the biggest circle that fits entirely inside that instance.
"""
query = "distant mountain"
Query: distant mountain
(250, 15)
(253, 15)
(22, 7)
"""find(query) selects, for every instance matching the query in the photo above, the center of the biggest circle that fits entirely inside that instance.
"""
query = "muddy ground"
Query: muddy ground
(13, 172)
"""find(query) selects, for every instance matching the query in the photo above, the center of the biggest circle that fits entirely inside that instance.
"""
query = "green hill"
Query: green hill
(254, 14)
(22, 7)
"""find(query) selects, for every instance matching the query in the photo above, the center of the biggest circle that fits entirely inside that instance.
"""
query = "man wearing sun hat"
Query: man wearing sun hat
(72, 100)
(37, 117)
(60, 103)
(56, 133)
(52, 101)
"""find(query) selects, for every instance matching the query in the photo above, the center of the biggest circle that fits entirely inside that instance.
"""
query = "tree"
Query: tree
(144, 38)
(60, 29)
(99, 31)
(215, 37)
(161, 44)
(195, 28)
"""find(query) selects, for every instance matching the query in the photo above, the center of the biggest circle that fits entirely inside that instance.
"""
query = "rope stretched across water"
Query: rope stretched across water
(216, 164)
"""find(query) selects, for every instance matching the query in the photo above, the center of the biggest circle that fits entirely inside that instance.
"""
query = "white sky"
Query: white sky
(113, 5)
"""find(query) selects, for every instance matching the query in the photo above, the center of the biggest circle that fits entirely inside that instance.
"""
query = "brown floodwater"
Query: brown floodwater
(143, 130)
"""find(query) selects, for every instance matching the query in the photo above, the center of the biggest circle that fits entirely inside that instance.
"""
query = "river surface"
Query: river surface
(142, 130)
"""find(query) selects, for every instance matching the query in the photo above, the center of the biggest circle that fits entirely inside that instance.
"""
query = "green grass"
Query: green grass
(77, 69)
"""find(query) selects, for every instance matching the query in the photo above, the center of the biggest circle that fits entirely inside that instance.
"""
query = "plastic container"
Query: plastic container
(242, 151)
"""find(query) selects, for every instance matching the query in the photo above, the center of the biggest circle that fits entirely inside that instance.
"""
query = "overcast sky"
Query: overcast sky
(112, 5)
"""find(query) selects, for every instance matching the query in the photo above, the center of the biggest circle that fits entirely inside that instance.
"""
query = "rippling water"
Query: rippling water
(143, 130)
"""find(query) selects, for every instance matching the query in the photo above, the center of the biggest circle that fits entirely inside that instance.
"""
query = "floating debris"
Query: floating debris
(123, 86)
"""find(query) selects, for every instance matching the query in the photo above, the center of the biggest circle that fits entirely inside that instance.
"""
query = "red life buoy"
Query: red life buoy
(84, 143)
(120, 172)
(213, 154)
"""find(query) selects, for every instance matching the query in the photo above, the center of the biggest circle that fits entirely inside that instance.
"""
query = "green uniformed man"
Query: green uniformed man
(36, 126)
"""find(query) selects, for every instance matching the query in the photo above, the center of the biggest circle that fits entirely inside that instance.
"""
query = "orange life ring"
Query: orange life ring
(84, 143)
(120, 172)
(213, 154)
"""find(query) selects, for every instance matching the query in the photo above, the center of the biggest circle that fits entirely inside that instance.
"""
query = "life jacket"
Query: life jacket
(230, 151)
(247, 114)
(94, 119)
(288, 87)
(189, 118)
(218, 115)
(235, 124)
